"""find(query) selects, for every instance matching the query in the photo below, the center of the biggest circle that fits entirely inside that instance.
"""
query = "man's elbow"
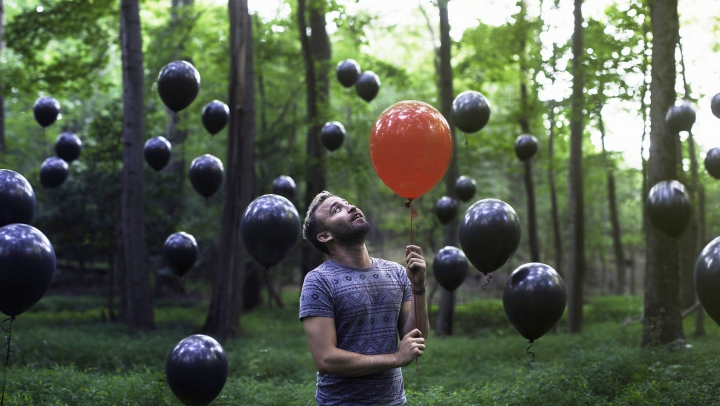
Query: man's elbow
(324, 366)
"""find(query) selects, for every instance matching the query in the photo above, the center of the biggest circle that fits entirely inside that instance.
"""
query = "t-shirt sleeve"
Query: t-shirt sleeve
(405, 283)
(316, 298)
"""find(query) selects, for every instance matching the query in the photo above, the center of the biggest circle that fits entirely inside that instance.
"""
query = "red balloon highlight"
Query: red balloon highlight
(411, 148)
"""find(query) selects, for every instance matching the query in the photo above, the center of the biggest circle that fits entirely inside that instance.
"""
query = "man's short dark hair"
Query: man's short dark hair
(311, 226)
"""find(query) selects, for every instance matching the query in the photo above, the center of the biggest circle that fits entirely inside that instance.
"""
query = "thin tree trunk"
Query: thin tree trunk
(557, 237)
(139, 311)
(575, 183)
(662, 324)
(2, 98)
(700, 313)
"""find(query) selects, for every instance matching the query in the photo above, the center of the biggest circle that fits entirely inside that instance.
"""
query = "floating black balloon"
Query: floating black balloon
(178, 84)
(470, 111)
(348, 72)
(46, 111)
(196, 370)
(27, 267)
(17, 198)
(680, 117)
(180, 251)
(534, 299)
(715, 105)
(270, 228)
(53, 172)
(284, 186)
(712, 162)
(707, 279)
(465, 188)
(206, 174)
(157, 152)
(332, 135)
(367, 85)
(215, 116)
(489, 234)
(525, 147)
(668, 207)
(450, 268)
(446, 209)
(68, 147)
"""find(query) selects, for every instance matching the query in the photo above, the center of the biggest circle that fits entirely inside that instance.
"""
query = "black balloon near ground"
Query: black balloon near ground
(178, 84)
(450, 268)
(196, 370)
(446, 209)
(17, 198)
(367, 85)
(680, 118)
(332, 135)
(215, 116)
(525, 147)
(470, 111)
(348, 72)
(715, 105)
(707, 279)
(27, 267)
(270, 228)
(489, 234)
(157, 152)
(534, 299)
(284, 186)
(46, 111)
(465, 188)
(180, 251)
(206, 175)
(712, 162)
(668, 207)
(68, 147)
(53, 172)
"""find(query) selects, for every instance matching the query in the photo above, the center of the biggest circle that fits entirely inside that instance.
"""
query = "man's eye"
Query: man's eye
(337, 210)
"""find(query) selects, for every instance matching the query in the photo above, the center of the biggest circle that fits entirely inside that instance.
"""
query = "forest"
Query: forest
(151, 142)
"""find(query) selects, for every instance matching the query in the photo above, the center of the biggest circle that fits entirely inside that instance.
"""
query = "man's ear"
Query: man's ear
(324, 237)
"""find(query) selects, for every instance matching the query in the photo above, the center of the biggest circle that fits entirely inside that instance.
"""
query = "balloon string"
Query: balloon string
(267, 273)
(413, 214)
(176, 118)
(527, 351)
(487, 281)
(9, 353)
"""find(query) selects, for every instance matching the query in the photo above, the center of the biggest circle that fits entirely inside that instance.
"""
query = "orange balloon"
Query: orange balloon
(410, 148)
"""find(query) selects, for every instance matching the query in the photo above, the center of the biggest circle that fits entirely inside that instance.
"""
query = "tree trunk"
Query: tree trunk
(557, 238)
(223, 320)
(700, 313)
(662, 324)
(2, 98)
(575, 183)
(316, 55)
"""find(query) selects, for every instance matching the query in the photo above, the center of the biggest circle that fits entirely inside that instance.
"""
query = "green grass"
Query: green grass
(66, 356)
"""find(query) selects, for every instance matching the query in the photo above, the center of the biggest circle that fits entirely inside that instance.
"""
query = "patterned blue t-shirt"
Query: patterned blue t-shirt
(365, 303)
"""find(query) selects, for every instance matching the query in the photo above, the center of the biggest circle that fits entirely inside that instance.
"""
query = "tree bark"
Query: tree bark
(223, 320)
(557, 237)
(2, 98)
(575, 183)
(662, 324)
(139, 311)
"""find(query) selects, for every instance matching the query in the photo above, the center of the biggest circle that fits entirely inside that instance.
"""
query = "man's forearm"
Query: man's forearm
(423, 323)
(348, 363)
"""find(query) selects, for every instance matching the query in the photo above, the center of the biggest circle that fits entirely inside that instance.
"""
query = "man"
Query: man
(354, 308)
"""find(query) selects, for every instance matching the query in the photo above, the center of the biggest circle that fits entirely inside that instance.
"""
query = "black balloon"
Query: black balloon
(525, 147)
(470, 111)
(465, 188)
(680, 118)
(446, 209)
(367, 85)
(27, 267)
(715, 105)
(17, 198)
(68, 147)
(53, 172)
(180, 251)
(206, 175)
(332, 135)
(178, 84)
(534, 299)
(196, 370)
(270, 228)
(450, 268)
(348, 72)
(46, 111)
(668, 207)
(707, 279)
(215, 116)
(489, 234)
(284, 186)
(157, 152)
(712, 162)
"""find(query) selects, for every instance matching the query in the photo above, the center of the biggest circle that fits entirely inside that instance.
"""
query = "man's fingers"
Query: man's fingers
(414, 333)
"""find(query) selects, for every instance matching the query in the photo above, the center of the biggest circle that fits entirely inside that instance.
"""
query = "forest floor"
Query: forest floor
(65, 355)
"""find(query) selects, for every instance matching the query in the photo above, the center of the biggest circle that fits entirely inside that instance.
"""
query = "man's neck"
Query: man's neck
(355, 257)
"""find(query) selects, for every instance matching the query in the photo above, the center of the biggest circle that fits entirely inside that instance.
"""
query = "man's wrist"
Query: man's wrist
(420, 291)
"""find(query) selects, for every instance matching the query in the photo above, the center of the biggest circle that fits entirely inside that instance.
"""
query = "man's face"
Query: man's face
(345, 222)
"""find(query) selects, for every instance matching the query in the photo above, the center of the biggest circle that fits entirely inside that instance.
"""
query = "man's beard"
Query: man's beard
(350, 235)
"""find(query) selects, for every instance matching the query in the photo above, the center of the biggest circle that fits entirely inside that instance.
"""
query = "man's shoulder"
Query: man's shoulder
(384, 264)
